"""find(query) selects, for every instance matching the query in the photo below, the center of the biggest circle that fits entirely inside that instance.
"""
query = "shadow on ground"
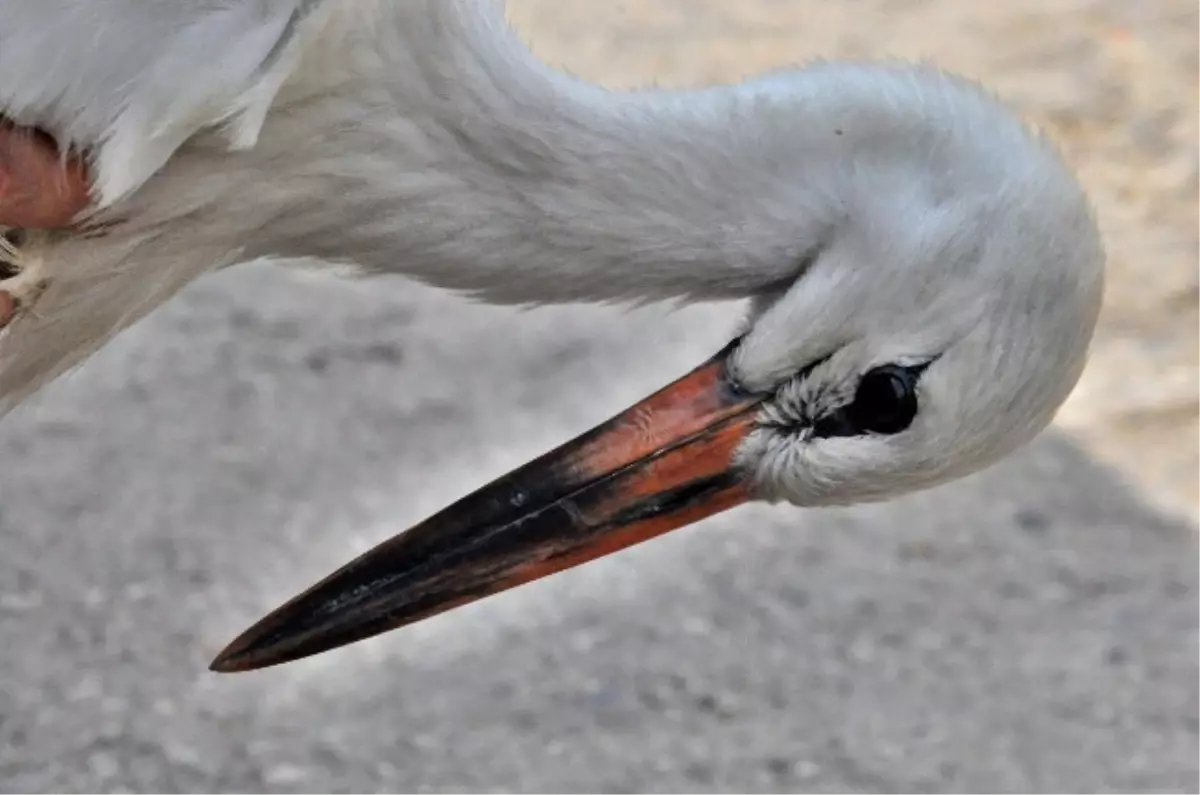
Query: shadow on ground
(1031, 628)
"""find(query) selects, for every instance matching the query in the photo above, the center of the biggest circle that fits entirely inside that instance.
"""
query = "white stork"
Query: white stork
(925, 272)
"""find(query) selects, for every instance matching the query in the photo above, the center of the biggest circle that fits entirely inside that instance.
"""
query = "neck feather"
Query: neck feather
(428, 141)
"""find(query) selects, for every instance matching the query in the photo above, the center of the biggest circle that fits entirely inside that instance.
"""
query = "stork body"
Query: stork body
(925, 273)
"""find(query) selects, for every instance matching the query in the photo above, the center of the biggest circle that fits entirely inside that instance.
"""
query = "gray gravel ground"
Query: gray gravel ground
(1030, 629)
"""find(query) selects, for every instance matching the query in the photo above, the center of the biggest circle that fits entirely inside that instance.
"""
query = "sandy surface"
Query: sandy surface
(1033, 628)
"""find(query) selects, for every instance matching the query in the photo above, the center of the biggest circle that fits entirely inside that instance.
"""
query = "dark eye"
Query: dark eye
(886, 400)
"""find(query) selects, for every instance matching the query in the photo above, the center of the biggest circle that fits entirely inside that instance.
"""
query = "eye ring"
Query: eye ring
(885, 401)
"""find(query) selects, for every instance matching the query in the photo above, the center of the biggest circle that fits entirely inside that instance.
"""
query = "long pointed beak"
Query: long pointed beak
(660, 465)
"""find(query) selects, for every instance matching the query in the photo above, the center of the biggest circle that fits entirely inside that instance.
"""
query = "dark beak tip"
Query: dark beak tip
(289, 633)
(234, 658)
(236, 661)
(249, 651)
(224, 665)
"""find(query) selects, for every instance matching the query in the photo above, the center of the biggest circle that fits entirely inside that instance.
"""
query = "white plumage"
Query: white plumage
(876, 214)
(133, 80)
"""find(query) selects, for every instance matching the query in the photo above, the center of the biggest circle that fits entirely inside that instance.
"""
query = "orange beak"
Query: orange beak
(660, 465)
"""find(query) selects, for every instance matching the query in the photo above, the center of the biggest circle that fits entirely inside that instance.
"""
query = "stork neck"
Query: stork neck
(464, 162)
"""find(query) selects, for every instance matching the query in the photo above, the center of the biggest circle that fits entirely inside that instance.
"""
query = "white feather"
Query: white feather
(131, 80)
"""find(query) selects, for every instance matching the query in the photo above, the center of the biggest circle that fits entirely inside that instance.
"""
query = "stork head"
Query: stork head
(931, 343)
(937, 325)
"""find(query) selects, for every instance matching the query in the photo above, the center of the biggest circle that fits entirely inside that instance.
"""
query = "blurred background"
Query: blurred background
(1033, 628)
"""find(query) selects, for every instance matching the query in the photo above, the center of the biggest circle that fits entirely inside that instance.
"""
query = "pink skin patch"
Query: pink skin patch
(37, 188)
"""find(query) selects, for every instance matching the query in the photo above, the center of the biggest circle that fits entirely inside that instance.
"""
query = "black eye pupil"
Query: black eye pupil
(886, 400)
